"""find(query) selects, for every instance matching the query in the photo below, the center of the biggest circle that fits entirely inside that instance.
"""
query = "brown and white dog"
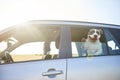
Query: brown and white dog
(92, 44)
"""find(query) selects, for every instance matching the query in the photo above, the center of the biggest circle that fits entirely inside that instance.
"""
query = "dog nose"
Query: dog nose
(95, 36)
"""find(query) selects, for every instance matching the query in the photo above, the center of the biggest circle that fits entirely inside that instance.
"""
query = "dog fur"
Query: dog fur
(92, 44)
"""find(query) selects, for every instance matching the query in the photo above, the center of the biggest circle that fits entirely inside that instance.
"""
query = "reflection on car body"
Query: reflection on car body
(44, 50)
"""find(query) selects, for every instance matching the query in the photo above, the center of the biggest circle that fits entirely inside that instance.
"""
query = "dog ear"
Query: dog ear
(89, 31)
(101, 31)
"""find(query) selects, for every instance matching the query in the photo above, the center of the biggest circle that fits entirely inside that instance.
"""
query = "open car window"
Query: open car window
(109, 42)
(31, 43)
(34, 51)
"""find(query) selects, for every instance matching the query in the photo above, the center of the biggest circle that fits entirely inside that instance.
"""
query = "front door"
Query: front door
(37, 53)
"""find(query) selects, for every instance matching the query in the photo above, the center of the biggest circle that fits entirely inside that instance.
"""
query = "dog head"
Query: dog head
(94, 34)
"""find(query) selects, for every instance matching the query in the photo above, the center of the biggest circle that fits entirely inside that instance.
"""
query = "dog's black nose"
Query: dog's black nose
(95, 36)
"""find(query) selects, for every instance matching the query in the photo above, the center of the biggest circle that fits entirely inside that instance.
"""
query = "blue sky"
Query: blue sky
(16, 11)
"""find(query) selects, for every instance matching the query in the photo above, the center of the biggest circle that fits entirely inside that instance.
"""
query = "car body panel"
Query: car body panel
(94, 68)
(33, 70)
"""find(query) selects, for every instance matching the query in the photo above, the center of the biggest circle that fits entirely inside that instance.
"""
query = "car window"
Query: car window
(109, 39)
(82, 47)
(113, 40)
(33, 44)
(33, 51)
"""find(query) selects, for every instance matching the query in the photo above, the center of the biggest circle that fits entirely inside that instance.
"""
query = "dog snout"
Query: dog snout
(95, 36)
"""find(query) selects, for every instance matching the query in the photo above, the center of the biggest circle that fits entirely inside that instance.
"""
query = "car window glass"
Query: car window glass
(112, 45)
(113, 40)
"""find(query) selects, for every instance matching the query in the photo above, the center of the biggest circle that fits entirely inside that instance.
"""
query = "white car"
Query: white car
(51, 50)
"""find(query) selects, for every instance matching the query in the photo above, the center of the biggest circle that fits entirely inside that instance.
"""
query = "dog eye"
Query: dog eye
(91, 32)
(98, 32)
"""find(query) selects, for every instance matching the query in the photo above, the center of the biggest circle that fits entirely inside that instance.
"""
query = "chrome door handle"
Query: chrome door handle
(52, 72)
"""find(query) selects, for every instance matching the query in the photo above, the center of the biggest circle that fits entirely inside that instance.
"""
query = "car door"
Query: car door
(36, 69)
(101, 67)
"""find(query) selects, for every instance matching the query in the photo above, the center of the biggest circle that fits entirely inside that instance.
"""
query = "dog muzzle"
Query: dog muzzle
(93, 39)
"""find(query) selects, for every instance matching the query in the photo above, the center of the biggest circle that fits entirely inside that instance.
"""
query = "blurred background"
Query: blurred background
(17, 11)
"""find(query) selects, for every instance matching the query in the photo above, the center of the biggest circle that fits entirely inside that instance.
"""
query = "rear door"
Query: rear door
(101, 67)
(51, 64)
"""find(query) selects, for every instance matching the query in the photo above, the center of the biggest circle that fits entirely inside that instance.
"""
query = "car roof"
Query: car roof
(53, 23)
(75, 23)
(63, 22)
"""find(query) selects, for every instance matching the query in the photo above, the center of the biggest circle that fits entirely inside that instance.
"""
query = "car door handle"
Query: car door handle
(52, 72)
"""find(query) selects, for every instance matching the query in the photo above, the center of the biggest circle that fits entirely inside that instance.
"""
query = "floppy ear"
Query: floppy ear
(101, 31)
(89, 31)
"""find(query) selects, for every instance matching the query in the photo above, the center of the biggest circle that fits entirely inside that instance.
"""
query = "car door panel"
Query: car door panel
(94, 68)
(33, 70)
(45, 69)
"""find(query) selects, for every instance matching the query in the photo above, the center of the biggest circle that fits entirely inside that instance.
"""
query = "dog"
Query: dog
(92, 45)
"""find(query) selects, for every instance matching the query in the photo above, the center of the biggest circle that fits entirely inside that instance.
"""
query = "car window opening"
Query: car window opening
(78, 36)
(47, 38)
